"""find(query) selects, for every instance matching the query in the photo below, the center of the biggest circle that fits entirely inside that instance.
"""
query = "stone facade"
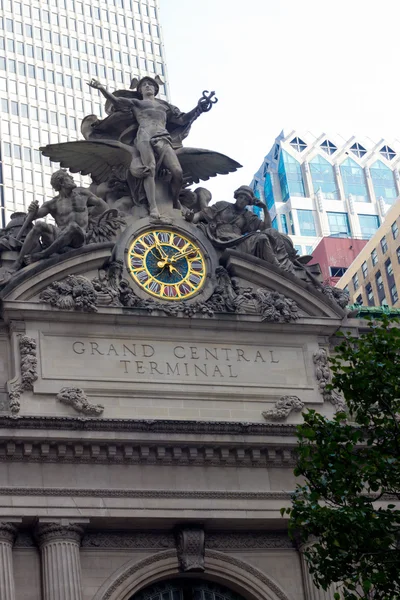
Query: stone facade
(140, 444)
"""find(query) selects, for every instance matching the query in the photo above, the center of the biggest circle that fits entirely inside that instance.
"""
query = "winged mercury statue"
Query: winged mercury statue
(140, 142)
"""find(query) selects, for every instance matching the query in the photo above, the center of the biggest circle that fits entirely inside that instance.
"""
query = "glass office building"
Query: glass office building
(318, 186)
(49, 50)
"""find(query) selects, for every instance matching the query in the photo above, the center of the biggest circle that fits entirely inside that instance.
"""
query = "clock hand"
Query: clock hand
(175, 257)
(172, 269)
(160, 248)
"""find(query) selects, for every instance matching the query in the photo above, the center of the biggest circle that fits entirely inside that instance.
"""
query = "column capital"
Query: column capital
(8, 532)
(51, 532)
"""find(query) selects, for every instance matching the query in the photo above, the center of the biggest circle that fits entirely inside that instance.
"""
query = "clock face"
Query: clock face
(167, 264)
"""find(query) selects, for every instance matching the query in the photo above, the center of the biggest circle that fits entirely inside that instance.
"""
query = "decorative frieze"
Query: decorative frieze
(151, 454)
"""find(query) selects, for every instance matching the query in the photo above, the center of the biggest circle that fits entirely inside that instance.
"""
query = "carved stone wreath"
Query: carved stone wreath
(76, 397)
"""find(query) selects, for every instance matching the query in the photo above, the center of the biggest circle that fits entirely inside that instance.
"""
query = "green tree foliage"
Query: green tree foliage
(349, 502)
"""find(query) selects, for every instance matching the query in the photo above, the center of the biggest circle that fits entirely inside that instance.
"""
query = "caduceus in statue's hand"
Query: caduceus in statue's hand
(153, 140)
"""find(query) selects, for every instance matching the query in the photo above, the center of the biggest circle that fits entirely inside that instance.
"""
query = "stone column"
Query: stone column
(311, 592)
(61, 566)
(7, 536)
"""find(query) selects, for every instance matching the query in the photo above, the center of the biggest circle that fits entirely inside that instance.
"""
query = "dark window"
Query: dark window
(328, 147)
(395, 230)
(370, 294)
(298, 144)
(374, 257)
(364, 268)
(389, 268)
(394, 294)
(387, 152)
(379, 280)
(337, 271)
(355, 281)
(358, 150)
(359, 300)
(384, 244)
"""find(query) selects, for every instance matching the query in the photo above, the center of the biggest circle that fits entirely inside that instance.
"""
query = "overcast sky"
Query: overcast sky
(315, 65)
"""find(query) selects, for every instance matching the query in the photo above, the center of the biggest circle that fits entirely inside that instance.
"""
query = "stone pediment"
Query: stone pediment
(30, 284)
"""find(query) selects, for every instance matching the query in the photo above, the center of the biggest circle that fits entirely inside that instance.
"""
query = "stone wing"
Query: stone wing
(198, 164)
(98, 159)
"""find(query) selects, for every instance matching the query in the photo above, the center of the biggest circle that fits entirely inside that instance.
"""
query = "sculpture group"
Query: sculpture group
(139, 167)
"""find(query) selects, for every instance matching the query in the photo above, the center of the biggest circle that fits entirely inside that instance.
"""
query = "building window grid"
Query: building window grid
(389, 268)
(43, 39)
(306, 222)
(393, 293)
(383, 182)
(374, 257)
(364, 269)
(353, 178)
(339, 225)
(323, 177)
(384, 246)
(395, 230)
(355, 281)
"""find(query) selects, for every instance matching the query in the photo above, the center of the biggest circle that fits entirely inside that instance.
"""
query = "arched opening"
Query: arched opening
(186, 589)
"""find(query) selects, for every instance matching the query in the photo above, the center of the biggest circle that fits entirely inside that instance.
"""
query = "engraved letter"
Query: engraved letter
(154, 367)
(259, 355)
(240, 355)
(272, 357)
(186, 369)
(196, 368)
(230, 372)
(227, 350)
(139, 367)
(215, 356)
(82, 350)
(217, 370)
(125, 363)
(95, 347)
(149, 348)
(193, 352)
(172, 371)
(112, 349)
(179, 348)
(126, 349)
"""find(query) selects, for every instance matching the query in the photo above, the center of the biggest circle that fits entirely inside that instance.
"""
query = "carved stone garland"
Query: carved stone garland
(108, 289)
(28, 367)
(324, 378)
(76, 397)
(283, 407)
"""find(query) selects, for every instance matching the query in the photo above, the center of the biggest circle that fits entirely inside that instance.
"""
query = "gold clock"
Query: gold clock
(167, 264)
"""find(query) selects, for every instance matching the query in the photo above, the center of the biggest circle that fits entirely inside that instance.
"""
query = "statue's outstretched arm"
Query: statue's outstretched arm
(118, 103)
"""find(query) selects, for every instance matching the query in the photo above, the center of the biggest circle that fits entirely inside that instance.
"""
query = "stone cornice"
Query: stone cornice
(131, 493)
(147, 425)
(150, 452)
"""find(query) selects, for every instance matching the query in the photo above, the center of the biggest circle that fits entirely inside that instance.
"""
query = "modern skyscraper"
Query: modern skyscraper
(317, 186)
(49, 49)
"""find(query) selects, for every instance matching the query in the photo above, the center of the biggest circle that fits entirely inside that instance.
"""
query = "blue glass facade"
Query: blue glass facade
(306, 222)
(290, 177)
(275, 223)
(268, 191)
(339, 225)
(368, 225)
(354, 180)
(323, 177)
(383, 182)
(284, 224)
